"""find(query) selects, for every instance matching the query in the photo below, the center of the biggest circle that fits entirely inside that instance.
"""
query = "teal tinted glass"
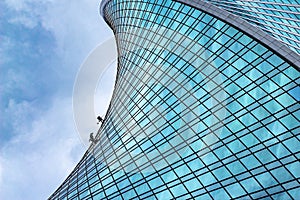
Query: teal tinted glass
(200, 110)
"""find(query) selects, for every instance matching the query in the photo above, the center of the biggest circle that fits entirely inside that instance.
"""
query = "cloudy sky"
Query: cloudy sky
(42, 45)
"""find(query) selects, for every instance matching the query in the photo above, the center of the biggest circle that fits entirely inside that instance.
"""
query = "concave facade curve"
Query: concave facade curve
(203, 108)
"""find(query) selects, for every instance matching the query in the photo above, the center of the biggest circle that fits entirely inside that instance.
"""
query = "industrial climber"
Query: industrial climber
(99, 119)
(92, 139)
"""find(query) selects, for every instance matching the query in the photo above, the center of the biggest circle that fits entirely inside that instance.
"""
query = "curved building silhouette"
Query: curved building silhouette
(205, 105)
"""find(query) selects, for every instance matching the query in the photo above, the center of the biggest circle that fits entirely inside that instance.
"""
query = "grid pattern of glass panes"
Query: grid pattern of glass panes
(199, 111)
(280, 18)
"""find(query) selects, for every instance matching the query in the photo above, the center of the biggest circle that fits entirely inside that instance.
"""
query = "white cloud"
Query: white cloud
(46, 147)
(36, 161)
(15, 4)
(1, 171)
(25, 12)
(26, 21)
(5, 44)
(72, 24)
(104, 89)
(76, 26)
(18, 113)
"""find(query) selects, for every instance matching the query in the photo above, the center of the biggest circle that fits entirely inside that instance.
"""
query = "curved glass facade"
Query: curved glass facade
(200, 110)
(279, 18)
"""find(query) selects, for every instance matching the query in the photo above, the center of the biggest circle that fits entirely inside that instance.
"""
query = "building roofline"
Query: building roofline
(254, 32)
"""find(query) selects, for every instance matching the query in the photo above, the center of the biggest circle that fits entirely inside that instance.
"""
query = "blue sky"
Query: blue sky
(42, 45)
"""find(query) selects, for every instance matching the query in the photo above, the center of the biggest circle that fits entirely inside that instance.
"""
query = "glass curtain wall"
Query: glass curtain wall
(200, 110)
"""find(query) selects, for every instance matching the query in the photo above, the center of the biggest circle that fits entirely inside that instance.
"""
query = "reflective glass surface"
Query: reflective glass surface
(280, 18)
(200, 110)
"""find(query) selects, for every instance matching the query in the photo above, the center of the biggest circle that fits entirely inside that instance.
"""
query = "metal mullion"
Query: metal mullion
(204, 30)
(145, 182)
(233, 80)
(132, 183)
(253, 154)
(130, 26)
(147, 11)
(226, 27)
(188, 92)
(185, 163)
(265, 19)
(193, 25)
(273, 186)
(149, 55)
(161, 155)
(165, 16)
(156, 157)
(257, 123)
(121, 89)
(276, 158)
(154, 4)
(164, 128)
(263, 172)
(125, 12)
(143, 13)
(265, 147)
(130, 88)
(234, 161)
(247, 171)
(272, 9)
(139, 34)
(125, 143)
(274, 27)
(171, 105)
(144, 179)
(281, 141)
(284, 36)
(270, 196)
(150, 140)
(259, 2)
(145, 141)
(150, 51)
(159, 11)
(256, 12)
(134, 11)
(258, 139)
(183, 22)
(106, 143)
(102, 169)
(110, 174)
(149, 90)
(233, 154)
(263, 2)
(131, 42)
(87, 180)
(129, 129)
(128, 178)
(224, 48)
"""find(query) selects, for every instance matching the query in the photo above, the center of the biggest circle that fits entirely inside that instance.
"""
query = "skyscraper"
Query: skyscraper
(205, 105)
